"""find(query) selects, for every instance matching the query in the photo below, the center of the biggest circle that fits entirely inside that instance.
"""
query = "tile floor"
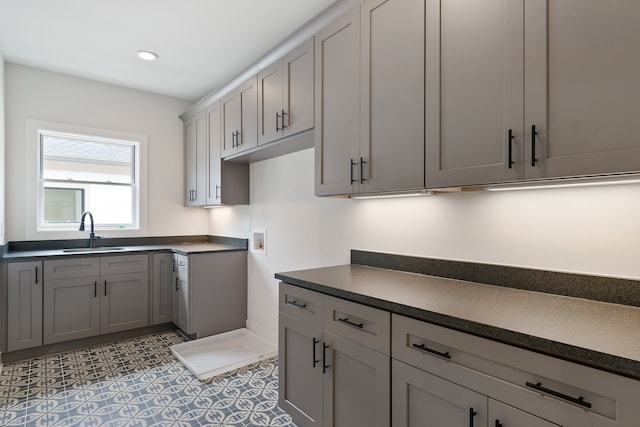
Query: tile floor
(138, 383)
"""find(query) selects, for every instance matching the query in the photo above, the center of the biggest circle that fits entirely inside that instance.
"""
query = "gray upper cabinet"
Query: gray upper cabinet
(240, 118)
(370, 100)
(195, 145)
(337, 109)
(228, 182)
(285, 95)
(24, 305)
(582, 90)
(474, 92)
(530, 90)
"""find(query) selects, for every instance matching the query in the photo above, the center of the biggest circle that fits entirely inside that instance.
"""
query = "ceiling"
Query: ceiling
(201, 44)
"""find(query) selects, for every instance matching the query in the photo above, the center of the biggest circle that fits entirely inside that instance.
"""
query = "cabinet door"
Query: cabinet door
(182, 313)
(392, 95)
(163, 281)
(337, 106)
(270, 103)
(71, 309)
(300, 371)
(297, 95)
(420, 399)
(195, 160)
(214, 153)
(356, 385)
(582, 90)
(248, 98)
(474, 95)
(501, 415)
(24, 305)
(124, 303)
(230, 109)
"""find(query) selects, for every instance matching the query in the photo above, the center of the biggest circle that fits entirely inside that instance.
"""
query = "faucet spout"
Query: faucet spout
(92, 236)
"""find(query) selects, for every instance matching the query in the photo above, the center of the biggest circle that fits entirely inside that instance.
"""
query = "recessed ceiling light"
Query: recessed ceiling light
(147, 56)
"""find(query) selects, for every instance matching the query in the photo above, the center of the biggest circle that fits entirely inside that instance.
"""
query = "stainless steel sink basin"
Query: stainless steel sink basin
(102, 249)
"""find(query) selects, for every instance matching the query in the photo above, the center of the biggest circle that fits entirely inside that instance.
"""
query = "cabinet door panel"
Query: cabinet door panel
(424, 400)
(248, 98)
(71, 309)
(299, 377)
(195, 160)
(337, 83)
(163, 281)
(508, 416)
(356, 385)
(270, 103)
(124, 303)
(214, 141)
(392, 94)
(24, 305)
(298, 97)
(230, 123)
(474, 94)
(582, 89)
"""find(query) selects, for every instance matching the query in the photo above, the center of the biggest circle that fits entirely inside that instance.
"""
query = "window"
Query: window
(82, 169)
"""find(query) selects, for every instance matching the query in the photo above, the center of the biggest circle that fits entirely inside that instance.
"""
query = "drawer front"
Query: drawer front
(124, 264)
(71, 268)
(564, 392)
(364, 325)
(301, 304)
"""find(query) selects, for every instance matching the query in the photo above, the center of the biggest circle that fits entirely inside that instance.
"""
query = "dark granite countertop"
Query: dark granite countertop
(181, 248)
(598, 334)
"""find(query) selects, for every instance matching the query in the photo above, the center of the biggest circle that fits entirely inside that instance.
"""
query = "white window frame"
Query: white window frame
(34, 229)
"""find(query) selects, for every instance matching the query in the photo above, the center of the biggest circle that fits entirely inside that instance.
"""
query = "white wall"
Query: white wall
(588, 230)
(36, 94)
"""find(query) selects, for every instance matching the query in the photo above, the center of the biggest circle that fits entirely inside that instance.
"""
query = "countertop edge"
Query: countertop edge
(587, 357)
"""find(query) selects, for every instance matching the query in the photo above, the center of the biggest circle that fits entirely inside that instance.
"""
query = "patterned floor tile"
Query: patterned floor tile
(135, 383)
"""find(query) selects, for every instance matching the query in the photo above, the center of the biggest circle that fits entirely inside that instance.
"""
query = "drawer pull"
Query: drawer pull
(578, 401)
(296, 304)
(422, 347)
(351, 323)
(315, 341)
(498, 423)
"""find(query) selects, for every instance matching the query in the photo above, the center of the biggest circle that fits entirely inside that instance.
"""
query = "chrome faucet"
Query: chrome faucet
(92, 235)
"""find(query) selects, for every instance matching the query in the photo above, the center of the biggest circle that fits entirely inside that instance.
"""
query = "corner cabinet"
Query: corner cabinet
(24, 305)
(370, 99)
(240, 118)
(285, 95)
(333, 360)
(530, 90)
(162, 288)
(195, 165)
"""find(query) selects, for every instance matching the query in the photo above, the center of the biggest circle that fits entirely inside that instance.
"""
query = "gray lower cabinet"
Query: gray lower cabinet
(210, 292)
(89, 296)
(162, 288)
(24, 305)
(333, 361)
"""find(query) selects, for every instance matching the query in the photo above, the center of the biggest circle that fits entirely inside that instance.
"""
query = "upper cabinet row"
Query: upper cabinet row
(276, 103)
(441, 93)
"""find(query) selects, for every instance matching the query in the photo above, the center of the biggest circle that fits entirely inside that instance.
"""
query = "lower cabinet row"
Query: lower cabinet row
(345, 364)
(58, 300)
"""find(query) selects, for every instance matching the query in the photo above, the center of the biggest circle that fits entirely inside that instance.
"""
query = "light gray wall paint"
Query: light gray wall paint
(41, 95)
(589, 230)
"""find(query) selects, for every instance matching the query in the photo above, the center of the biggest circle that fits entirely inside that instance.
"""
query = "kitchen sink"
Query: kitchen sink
(101, 249)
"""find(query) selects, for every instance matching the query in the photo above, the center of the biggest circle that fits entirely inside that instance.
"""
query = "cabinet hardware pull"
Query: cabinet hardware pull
(296, 304)
(283, 114)
(324, 358)
(362, 163)
(238, 140)
(277, 117)
(105, 288)
(95, 289)
(498, 423)
(217, 192)
(533, 145)
(422, 347)
(472, 414)
(351, 165)
(177, 287)
(578, 401)
(351, 323)
(36, 275)
(315, 341)
(510, 137)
